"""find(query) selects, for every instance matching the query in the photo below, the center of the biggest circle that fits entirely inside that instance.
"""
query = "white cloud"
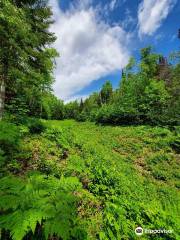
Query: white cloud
(112, 5)
(89, 48)
(151, 13)
(76, 98)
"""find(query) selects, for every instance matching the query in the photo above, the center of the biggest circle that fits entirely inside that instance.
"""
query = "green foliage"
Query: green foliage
(45, 152)
(71, 110)
(17, 110)
(35, 126)
(52, 108)
(40, 203)
(58, 135)
(133, 171)
(147, 94)
(109, 180)
(155, 101)
(26, 61)
(174, 89)
(148, 63)
(2, 158)
(175, 144)
(9, 139)
(113, 114)
(106, 92)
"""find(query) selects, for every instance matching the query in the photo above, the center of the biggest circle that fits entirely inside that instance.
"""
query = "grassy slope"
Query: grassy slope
(131, 171)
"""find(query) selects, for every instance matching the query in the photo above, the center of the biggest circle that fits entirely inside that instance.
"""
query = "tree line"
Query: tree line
(148, 93)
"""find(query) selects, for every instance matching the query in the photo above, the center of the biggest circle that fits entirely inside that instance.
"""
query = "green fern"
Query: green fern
(42, 200)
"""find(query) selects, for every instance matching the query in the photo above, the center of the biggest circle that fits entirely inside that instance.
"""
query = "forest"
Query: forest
(95, 168)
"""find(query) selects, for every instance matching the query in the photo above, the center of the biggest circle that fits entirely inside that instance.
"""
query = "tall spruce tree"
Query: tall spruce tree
(26, 59)
(13, 28)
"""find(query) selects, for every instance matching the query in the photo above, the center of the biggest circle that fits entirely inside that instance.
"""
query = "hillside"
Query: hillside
(92, 182)
(89, 120)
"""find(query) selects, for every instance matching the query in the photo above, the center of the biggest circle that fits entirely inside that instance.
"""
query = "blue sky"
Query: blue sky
(95, 39)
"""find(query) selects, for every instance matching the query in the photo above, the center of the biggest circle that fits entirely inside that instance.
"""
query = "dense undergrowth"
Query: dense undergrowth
(69, 180)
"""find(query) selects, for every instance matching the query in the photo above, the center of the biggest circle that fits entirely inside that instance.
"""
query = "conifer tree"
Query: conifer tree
(13, 28)
(26, 58)
(106, 92)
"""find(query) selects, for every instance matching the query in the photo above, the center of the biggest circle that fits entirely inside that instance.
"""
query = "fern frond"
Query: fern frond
(25, 203)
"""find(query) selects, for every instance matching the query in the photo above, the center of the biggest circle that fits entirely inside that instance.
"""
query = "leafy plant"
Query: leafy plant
(40, 203)
(9, 139)
(36, 126)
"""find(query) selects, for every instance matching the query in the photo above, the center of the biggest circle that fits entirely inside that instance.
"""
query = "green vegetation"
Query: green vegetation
(83, 181)
(113, 169)
(26, 61)
(148, 94)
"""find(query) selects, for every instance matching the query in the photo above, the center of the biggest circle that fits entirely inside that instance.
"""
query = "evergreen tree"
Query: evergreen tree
(26, 61)
(14, 35)
(106, 92)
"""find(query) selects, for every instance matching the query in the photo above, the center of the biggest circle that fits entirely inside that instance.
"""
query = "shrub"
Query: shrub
(24, 130)
(112, 114)
(36, 126)
(176, 144)
(82, 117)
(14, 166)
(2, 158)
(9, 138)
(57, 135)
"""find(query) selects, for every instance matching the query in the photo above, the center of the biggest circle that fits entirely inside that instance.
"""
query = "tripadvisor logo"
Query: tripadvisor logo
(139, 231)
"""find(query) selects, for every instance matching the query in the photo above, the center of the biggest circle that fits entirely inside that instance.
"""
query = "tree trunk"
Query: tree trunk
(2, 97)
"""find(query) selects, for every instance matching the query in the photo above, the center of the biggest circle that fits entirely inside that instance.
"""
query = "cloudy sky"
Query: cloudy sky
(95, 39)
